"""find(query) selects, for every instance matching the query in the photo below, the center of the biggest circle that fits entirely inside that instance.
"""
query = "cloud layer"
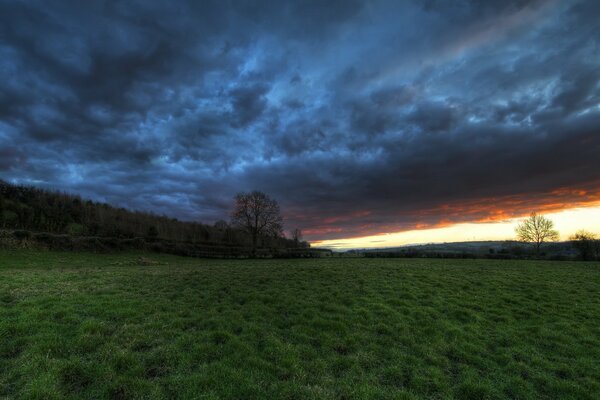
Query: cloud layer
(360, 117)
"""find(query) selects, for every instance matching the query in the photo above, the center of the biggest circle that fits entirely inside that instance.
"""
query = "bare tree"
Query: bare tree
(536, 229)
(257, 214)
(296, 236)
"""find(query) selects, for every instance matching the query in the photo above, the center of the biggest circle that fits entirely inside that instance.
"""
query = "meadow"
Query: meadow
(117, 326)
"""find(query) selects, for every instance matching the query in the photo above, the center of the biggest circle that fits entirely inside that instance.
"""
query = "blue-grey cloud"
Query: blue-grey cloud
(360, 117)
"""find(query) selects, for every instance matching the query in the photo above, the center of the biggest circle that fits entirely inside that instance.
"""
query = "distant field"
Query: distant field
(104, 326)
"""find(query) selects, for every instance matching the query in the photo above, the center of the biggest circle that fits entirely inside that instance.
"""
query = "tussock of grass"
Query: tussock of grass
(112, 326)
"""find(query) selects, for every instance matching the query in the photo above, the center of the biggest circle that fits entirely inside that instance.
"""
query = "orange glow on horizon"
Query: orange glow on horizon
(488, 210)
(567, 222)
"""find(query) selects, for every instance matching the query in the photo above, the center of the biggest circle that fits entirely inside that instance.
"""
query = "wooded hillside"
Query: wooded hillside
(37, 210)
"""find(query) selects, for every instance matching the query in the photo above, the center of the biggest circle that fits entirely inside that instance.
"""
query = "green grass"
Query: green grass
(101, 326)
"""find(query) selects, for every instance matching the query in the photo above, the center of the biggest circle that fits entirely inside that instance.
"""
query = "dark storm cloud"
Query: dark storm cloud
(10, 157)
(248, 104)
(360, 117)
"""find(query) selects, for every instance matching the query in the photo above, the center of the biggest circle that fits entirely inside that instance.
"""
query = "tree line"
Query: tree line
(39, 210)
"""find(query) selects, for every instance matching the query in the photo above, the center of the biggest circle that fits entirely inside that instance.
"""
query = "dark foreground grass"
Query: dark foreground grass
(101, 326)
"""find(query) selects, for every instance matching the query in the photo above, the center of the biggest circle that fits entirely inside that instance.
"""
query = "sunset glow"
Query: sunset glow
(567, 222)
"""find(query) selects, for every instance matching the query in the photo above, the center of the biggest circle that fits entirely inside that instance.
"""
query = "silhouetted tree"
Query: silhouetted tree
(296, 236)
(588, 245)
(222, 225)
(536, 229)
(228, 234)
(152, 233)
(257, 214)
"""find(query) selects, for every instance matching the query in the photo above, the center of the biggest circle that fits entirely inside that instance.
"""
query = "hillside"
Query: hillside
(64, 221)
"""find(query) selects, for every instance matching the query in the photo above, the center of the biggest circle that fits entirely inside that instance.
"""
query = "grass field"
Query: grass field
(103, 326)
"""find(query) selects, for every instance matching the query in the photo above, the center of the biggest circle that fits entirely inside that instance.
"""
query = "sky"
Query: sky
(364, 119)
(566, 222)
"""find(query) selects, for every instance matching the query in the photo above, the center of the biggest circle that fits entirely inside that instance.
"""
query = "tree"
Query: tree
(228, 234)
(221, 225)
(152, 233)
(537, 229)
(258, 215)
(588, 245)
(296, 236)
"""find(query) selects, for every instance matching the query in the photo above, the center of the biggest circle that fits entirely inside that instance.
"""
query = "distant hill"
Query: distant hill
(489, 249)
(454, 246)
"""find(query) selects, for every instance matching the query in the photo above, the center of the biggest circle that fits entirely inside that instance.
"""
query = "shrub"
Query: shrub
(8, 218)
(54, 242)
(587, 244)
(74, 229)
(135, 243)
(22, 235)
